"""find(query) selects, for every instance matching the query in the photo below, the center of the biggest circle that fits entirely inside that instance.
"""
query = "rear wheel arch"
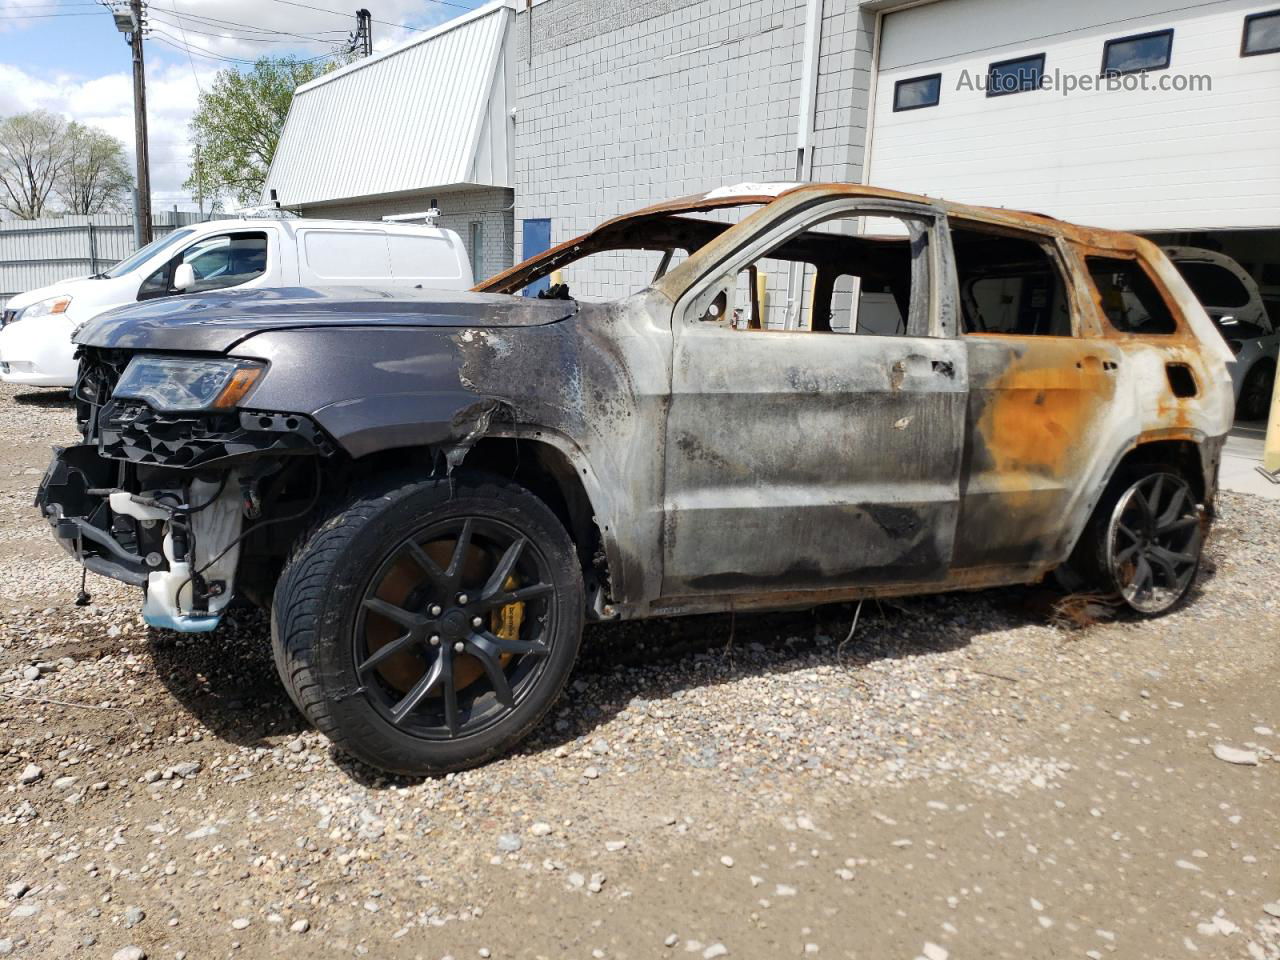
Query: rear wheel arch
(1179, 456)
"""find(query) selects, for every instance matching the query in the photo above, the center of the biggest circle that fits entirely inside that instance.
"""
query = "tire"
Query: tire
(1147, 557)
(1256, 391)
(428, 625)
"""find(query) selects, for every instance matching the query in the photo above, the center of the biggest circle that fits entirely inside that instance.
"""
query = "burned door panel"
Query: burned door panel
(802, 461)
(1036, 409)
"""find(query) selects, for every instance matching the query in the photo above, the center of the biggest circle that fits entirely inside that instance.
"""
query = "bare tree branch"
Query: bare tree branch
(33, 152)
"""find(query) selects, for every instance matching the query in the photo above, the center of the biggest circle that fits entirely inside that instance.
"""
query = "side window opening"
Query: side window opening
(1009, 284)
(1128, 297)
(599, 277)
(220, 261)
(836, 277)
(619, 259)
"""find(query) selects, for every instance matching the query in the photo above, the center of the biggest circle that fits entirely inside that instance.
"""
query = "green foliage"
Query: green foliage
(237, 125)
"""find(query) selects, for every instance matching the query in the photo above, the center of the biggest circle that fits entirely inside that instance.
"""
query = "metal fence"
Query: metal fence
(34, 253)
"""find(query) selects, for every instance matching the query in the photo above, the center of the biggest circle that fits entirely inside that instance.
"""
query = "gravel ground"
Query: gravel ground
(960, 778)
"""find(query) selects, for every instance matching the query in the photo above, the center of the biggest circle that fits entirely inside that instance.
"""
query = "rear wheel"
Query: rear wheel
(1143, 542)
(429, 627)
(1255, 392)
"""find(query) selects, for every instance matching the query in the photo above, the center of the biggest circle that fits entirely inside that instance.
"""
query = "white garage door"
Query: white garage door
(1127, 158)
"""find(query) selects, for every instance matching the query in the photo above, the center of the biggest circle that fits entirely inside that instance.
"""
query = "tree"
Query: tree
(96, 176)
(32, 155)
(237, 124)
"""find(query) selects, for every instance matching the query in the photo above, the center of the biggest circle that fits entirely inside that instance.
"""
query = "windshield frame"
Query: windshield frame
(139, 257)
(607, 235)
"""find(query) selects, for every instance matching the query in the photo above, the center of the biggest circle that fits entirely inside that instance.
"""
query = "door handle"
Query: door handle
(919, 366)
(1093, 363)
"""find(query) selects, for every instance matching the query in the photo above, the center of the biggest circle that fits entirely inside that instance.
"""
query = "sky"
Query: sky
(66, 56)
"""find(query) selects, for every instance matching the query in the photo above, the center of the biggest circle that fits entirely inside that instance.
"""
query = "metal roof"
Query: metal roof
(431, 112)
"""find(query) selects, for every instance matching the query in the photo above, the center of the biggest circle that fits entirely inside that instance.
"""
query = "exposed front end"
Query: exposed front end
(166, 489)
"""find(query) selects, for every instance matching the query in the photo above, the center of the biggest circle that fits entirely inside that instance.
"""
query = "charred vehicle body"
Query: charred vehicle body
(818, 393)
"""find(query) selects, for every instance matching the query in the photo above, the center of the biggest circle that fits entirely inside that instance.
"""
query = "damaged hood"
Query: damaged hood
(216, 322)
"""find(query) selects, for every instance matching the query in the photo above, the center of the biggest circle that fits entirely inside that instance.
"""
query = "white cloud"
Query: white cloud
(172, 87)
(106, 102)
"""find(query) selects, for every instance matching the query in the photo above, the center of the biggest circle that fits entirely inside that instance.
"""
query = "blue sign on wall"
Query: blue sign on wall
(537, 238)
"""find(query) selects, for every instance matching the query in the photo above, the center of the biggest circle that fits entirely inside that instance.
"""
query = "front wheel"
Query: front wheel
(429, 627)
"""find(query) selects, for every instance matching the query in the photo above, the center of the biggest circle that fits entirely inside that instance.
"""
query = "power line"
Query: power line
(188, 16)
(170, 40)
(194, 75)
(45, 16)
(51, 5)
(187, 28)
(290, 3)
(347, 15)
(182, 22)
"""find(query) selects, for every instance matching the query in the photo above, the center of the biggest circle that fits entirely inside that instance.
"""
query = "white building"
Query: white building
(602, 106)
(425, 123)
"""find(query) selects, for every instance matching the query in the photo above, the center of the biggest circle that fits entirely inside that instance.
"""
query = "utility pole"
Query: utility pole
(131, 24)
(362, 40)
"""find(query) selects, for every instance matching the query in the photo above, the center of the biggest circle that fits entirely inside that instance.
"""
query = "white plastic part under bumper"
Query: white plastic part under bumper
(212, 529)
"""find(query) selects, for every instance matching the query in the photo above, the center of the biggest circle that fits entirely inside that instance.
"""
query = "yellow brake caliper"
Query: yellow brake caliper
(505, 623)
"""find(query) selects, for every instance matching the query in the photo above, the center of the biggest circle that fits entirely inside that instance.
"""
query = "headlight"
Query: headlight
(43, 308)
(174, 383)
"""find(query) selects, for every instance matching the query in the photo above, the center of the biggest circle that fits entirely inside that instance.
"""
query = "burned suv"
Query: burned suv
(817, 393)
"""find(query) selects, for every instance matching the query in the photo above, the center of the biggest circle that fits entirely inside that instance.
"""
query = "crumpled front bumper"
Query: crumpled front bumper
(153, 538)
(70, 498)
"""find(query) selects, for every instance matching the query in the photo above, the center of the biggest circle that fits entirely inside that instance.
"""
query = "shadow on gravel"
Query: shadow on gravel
(229, 683)
(227, 680)
(44, 398)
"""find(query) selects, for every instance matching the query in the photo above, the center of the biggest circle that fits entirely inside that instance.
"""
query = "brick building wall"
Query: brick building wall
(623, 104)
(490, 207)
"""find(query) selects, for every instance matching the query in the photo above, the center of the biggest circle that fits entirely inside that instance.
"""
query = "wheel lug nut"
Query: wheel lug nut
(435, 610)
(477, 621)
(435, 640)
(459, 647)
(462, 598)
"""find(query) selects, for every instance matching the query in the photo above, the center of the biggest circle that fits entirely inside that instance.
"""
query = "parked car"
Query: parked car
(1235, 305)
(35, 342)
(432, 492)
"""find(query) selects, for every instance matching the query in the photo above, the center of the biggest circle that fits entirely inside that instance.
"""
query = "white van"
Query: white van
(35, 342)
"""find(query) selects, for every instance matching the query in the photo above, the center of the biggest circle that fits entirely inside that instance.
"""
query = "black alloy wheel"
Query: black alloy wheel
(428, 625)
(1153, 542)
(455, 627)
